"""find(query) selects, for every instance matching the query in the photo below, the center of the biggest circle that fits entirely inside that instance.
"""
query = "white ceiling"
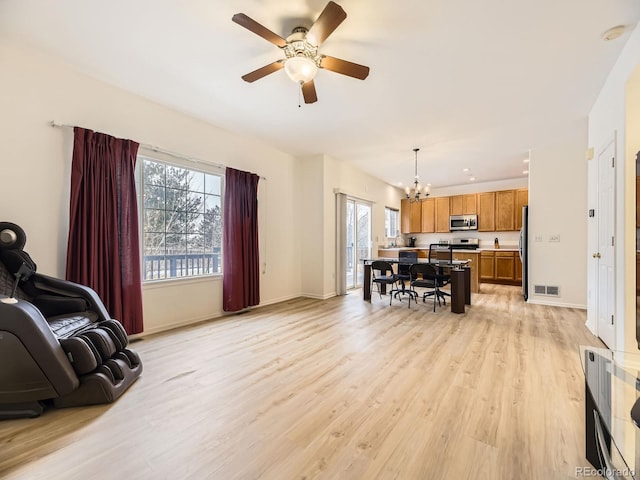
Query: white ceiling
(474, 84)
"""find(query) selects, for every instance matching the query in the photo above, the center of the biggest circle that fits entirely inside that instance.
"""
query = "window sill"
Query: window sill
(171, 282)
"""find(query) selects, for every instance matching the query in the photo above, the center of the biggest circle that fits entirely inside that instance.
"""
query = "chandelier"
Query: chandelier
(417, 189)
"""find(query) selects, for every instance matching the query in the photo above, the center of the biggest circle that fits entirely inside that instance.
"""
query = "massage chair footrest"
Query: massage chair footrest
(100, 387)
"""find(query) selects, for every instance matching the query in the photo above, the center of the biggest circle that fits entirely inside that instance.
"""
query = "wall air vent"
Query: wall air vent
(551, 290)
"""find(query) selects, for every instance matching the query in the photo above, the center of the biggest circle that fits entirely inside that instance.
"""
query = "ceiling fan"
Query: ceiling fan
(300, 49)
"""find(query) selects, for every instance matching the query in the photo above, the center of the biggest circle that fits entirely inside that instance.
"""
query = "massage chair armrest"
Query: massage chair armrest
(71, 289)
(25, 322)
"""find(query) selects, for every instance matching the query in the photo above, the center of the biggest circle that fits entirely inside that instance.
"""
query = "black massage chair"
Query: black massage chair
(58, 345)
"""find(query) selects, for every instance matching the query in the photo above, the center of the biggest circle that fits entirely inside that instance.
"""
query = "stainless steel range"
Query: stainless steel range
(463, 243)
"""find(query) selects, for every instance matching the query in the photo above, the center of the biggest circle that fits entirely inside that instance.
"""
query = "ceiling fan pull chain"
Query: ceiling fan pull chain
(299, 97)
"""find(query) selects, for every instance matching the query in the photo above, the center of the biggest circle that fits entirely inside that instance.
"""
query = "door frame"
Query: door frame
(356, 263)
(596, 283)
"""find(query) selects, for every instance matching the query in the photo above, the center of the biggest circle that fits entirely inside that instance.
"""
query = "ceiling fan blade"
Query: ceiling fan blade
(345, 68)
(332, 16)
(263, 71)
(309, 92)
(255, 27)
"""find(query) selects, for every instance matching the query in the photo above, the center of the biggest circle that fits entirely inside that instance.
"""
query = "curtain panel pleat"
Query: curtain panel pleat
(103, 251)
(241, 262)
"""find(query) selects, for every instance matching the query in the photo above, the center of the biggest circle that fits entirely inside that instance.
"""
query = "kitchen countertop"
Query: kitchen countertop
(492, 249)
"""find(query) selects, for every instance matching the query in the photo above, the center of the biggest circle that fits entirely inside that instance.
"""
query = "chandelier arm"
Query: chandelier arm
(416, 182)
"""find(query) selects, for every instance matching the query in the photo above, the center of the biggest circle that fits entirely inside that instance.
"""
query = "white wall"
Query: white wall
(312, 219)
(36, 159)
(296, 201)
(606, 119)
(558, 206)
(355, 183)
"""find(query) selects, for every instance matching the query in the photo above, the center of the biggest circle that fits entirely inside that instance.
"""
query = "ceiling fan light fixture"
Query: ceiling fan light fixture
(300, 69)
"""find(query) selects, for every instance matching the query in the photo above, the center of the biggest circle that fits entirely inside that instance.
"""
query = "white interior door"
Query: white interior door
(605, 256)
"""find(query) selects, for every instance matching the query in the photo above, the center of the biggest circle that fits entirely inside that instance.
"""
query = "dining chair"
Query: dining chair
(382, 274)
(424, 275)
(441, 253)
(406, 259)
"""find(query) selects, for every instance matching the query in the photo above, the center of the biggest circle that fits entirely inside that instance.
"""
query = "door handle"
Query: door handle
(596, 255)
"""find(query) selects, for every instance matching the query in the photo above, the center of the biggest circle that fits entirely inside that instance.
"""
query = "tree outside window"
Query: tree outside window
(182, 221)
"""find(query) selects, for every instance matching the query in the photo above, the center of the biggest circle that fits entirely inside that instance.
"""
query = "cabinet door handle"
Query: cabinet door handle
(596, 255)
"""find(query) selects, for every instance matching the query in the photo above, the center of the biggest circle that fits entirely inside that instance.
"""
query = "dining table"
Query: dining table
(460, 278)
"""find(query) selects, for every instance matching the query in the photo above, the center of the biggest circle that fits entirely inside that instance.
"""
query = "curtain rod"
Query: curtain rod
(153, 148)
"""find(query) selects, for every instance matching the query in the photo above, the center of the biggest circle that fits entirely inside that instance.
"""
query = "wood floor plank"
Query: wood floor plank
(334, 389)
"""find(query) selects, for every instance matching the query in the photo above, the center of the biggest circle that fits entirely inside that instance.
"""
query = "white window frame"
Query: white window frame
(389, 230)
(189, 267)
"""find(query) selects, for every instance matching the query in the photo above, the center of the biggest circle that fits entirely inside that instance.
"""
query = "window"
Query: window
(181, 212)
(390, 222)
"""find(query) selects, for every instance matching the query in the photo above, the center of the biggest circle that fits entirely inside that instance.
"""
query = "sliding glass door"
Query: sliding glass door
(358, 241)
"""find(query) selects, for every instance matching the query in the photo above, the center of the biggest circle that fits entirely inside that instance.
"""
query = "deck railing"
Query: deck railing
(180, 265)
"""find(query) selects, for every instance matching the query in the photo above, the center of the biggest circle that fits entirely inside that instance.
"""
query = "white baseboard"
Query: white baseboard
(556, 304)
(203, 318)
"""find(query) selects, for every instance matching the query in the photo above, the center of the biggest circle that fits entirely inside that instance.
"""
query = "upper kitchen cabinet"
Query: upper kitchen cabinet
(469, 204)
(486, 212)
(505, 210)
(522, 199)
(410, 216)
(429, 215)
(442, 214)
(463, 204)
(456, 204)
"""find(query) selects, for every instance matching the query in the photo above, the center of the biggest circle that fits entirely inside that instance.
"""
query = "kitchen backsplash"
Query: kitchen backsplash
(505, 239)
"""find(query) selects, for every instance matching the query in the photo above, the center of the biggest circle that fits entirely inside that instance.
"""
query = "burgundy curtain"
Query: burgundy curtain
(241, 265)
(104, 249)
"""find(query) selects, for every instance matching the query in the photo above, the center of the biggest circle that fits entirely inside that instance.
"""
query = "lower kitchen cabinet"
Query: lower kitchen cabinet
(502, 267)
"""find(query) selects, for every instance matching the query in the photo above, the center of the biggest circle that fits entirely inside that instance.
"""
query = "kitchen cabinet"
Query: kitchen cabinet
(505, 268)
(486, 212)
(637, 202)
(502, 267)
(637, 274)
(442, 214)
(522, 199)
(487, 268)
(463, 204)
(428, 215)
(474, 261)
(518, 262)
(470, 204)
(505, 210)
(410, 216)
(456, 204)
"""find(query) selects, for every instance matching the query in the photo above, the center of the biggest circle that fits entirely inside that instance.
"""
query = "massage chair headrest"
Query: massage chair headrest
(12, 240)
(12, 236)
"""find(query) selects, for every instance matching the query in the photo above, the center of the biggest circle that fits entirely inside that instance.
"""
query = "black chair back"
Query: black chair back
(440, 252)
(407, 258)
(382, 267)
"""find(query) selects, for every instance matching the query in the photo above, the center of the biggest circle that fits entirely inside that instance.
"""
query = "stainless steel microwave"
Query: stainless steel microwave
(463, 222)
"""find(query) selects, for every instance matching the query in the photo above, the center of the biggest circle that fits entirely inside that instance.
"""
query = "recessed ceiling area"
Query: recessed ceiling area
(474, 85)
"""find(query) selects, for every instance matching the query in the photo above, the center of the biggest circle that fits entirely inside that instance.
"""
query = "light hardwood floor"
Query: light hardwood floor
(335, 389)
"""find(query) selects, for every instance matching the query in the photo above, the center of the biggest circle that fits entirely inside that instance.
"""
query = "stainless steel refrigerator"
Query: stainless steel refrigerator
(523, 248)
